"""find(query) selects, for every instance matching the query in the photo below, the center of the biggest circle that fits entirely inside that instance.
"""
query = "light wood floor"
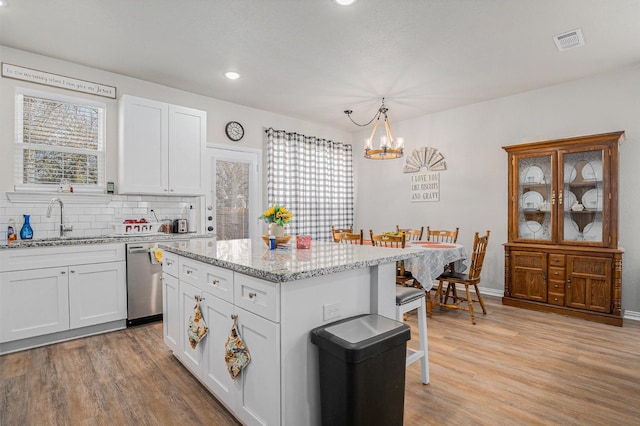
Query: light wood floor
(515, 367)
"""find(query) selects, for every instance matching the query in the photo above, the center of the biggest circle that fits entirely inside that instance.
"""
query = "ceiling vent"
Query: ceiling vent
(569, 40)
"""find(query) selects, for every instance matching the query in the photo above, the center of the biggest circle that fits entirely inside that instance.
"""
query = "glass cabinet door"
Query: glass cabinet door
(535, 198)
(583, 196)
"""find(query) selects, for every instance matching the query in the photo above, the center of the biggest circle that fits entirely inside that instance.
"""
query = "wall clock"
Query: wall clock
(234, 131)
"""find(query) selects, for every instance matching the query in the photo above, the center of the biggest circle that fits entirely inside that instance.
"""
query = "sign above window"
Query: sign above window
(55, 80)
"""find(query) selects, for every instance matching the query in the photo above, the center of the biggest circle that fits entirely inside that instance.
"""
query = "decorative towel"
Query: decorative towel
(236, 354)
(156, 255)
(197, 328)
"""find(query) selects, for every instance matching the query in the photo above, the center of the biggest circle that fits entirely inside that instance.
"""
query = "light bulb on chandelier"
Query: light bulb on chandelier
(390, 148)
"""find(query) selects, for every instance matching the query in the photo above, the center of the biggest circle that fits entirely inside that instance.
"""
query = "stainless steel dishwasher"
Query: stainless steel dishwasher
(144, 285)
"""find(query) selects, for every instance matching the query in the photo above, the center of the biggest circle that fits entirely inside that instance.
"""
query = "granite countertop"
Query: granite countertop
(252, 257)
(102, 239)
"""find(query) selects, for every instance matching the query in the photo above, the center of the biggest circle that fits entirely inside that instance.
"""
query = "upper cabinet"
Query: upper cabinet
(565, 192)
(161, 148)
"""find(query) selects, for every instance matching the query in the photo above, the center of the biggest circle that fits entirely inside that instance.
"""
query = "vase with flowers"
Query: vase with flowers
(276, 216)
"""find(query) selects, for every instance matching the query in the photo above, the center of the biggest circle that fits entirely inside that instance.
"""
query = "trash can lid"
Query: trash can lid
(362, 328)
(359, 338)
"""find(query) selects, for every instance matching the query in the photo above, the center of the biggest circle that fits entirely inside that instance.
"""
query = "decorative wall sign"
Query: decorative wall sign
(55, 80)
(425, 187)
(426, 157)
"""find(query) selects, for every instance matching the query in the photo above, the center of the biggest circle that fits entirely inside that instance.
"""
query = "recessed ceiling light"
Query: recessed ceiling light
(231, 75)
(3, 3)
(344, 2)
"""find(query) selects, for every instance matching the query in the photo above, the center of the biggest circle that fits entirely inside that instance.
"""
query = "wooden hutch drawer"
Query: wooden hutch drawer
(556, 286)
(556, 259)
(556, 299)
(557, 274)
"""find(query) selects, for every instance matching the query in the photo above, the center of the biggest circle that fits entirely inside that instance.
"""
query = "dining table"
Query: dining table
(434, 259)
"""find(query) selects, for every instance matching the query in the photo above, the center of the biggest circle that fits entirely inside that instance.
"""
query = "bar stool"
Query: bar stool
(408, 299)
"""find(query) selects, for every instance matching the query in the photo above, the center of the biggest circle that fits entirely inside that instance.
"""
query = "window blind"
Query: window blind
(58, 140)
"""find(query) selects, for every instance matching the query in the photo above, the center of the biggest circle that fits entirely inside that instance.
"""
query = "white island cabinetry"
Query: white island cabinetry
(55, 293)
(278, 298)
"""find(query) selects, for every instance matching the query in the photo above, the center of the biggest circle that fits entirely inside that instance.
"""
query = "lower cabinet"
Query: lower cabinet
(33, 303)
(254, 397)
(50, 290)
(96, 293)
(583, 283)
(170, 312)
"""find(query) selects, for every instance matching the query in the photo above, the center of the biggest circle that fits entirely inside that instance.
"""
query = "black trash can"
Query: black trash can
(362, 370)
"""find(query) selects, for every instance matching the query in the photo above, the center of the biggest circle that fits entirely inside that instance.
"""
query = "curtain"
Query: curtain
(312, 178)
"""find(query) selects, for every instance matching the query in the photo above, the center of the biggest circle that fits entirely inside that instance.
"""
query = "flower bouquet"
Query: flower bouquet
(276, 216)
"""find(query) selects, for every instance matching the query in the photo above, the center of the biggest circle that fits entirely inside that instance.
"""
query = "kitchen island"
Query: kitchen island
(277, 296)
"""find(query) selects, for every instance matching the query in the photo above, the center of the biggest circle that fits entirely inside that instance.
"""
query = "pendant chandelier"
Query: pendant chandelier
(390, 148)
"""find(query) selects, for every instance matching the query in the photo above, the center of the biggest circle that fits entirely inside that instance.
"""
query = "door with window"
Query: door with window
(233, 193)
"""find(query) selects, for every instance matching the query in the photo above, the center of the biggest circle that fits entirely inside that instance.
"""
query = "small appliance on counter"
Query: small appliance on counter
(180, 226)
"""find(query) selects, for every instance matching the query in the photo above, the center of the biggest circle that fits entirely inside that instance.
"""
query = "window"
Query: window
(58, 139)
(313, 178)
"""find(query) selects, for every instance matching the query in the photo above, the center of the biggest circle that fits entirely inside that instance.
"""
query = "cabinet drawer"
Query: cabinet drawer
(556, 299)
(556, 287)
(257, 296)
(191, 271)
(557, 274)
(16, 259)
(219, 282)
(556, 260)
(170, 263)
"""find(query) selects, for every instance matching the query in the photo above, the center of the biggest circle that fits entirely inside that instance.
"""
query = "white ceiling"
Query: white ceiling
(312, 59)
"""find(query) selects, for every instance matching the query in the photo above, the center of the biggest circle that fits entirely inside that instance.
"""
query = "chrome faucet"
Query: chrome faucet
(63, 227)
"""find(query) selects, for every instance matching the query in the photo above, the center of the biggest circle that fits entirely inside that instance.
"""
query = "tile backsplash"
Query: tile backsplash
(89, 218)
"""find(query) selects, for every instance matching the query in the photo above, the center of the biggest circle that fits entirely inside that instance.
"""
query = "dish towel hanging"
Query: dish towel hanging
(197, 327)
(236, 354)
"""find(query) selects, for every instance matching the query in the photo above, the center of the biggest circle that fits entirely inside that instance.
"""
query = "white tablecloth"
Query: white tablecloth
(428, 266)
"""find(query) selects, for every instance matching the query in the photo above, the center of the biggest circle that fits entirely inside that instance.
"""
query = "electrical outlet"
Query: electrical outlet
(332, 310)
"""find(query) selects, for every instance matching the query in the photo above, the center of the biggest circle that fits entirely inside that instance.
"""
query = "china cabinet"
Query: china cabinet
(562, 252)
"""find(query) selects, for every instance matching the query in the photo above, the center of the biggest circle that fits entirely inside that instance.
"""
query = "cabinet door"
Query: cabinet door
(585, 204)
(97, 293)
(170, 312)
(589, 283)
(143, 146)
(187, 140)
(258, 397)
(33, 303)
(529, 275)
(217, 314)
(533, 197)
(190, 357)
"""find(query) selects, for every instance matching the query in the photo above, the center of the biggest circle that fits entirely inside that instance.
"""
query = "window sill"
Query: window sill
(66, 197)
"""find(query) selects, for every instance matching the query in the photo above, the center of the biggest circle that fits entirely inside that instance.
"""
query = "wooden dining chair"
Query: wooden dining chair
(395, 241)
(442, 235)
(467, 280)
(349, 238)
(412, 234)
(335, 231)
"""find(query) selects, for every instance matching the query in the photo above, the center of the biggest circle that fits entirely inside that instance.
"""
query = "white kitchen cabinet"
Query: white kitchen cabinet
(47, 291)
(33, 303)
(160, 148)
(192, 358)
(170, 312)
(96, 293)
(255, 396)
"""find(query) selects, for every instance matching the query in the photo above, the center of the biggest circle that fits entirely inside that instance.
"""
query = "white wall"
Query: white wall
(218, 112)
(474, 187)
